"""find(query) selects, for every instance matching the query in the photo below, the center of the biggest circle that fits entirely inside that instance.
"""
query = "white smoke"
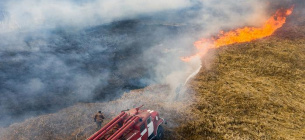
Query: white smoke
(209, 17)
(35, 14)
(58, 47)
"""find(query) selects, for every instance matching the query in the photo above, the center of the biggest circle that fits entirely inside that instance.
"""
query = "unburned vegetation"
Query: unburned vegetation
(253, 90)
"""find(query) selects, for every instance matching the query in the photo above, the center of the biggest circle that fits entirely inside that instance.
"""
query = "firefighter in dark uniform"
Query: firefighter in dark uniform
(98, 118)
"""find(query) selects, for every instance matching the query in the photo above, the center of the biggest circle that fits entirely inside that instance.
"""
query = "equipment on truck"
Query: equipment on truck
(133, 124)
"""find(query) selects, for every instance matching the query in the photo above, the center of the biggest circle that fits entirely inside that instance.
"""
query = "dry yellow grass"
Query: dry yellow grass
(253, 90)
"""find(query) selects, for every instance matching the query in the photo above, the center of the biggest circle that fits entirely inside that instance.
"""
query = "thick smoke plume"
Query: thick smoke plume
(54, 53)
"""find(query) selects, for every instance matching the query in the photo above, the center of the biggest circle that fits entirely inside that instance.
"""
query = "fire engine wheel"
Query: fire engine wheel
(160, 133)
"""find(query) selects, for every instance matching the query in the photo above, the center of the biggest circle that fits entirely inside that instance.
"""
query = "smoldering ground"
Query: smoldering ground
(56, 53)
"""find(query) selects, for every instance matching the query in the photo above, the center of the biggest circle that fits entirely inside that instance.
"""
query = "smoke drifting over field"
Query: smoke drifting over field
(56, 53)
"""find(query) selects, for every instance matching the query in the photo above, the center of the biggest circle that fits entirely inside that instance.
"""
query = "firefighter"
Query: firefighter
(98, 119)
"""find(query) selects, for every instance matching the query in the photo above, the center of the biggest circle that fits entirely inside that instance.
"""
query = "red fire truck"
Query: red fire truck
(134, 124)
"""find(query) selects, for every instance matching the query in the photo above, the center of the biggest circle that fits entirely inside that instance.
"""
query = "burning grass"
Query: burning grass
(254, 90)
(240, 35)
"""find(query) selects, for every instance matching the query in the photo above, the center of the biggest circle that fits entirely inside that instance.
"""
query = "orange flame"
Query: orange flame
(245, 34)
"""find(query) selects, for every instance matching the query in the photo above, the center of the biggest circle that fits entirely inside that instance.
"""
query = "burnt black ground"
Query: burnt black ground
(112, 52)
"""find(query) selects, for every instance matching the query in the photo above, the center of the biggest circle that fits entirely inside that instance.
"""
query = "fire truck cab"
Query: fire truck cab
(134, 124)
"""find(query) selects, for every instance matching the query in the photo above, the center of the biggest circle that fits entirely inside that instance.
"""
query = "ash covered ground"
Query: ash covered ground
(76, 122)
(63, 68)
